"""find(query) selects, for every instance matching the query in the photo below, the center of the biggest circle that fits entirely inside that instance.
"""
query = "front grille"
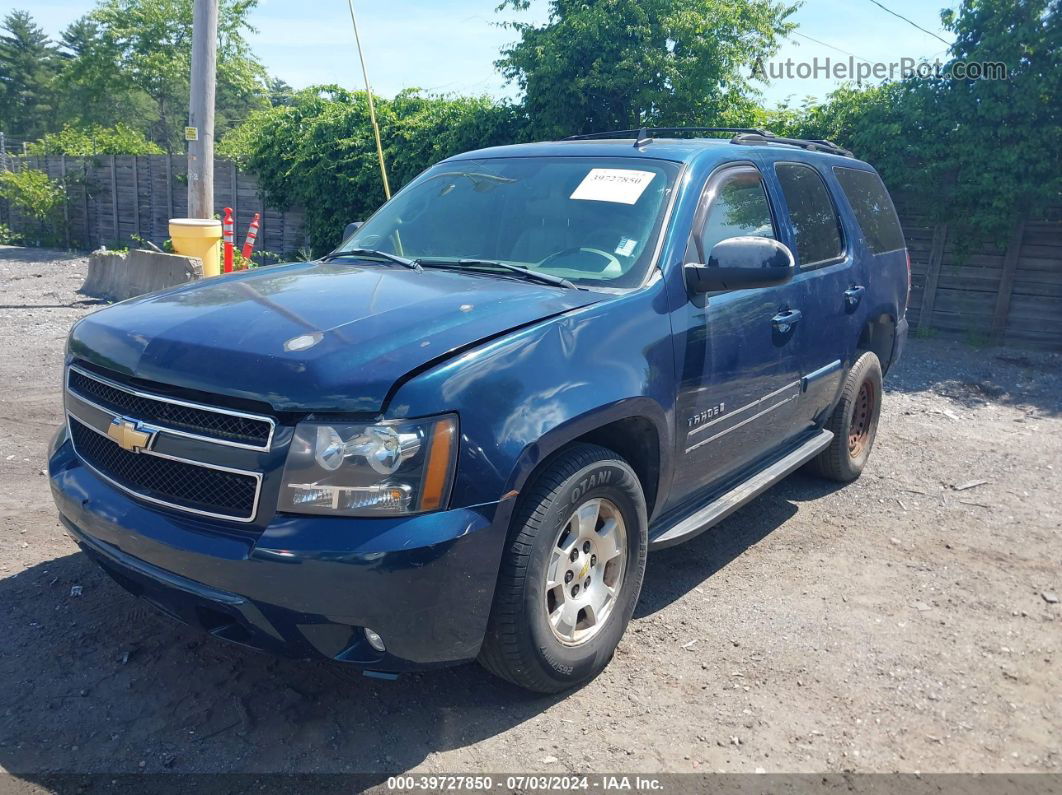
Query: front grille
(220, 425)
(192, 487)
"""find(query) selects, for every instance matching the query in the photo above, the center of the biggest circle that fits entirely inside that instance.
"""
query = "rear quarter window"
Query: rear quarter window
(872, 207)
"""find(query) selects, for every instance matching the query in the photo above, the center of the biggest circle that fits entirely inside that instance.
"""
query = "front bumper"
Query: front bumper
(307, 586)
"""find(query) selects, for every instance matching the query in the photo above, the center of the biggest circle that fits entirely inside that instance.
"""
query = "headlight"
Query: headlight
(382, 469)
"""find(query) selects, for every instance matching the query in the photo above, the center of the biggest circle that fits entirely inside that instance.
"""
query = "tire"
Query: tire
(536, 637)
(854, 423)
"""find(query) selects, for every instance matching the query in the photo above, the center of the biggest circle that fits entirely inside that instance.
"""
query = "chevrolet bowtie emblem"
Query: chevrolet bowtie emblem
(128, 435)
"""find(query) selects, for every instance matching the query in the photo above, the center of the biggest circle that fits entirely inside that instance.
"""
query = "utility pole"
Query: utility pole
(200, 130)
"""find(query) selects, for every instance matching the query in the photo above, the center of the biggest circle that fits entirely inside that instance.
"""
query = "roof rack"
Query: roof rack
(811, 144)
(644, 133)
(741, 135)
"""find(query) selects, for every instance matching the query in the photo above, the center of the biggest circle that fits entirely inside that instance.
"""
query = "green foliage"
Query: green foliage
(120, 139)
(148, 43)
(279, 92)
(424, 129)
(615, 64)
(92, 91)
(1003, 135)
(33, 194)
(29, 63)
(126, 61)
(319, 152)
(238, 143)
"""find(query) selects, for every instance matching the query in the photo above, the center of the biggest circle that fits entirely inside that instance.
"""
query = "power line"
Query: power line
(909, 22)
(824, 44)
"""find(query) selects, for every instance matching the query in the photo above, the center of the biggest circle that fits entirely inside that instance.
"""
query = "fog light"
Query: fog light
(374, 640)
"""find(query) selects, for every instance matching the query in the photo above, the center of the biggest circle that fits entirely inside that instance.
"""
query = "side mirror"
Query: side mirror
(350, 229)
(740, 262)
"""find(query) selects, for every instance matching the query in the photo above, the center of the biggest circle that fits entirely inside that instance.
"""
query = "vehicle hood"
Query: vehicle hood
(310, 336)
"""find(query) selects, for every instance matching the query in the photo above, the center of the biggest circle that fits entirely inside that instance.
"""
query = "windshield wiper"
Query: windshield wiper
(372, 252)
(530, 275)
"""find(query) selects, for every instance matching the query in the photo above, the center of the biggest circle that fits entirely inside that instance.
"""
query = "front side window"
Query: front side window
(816, 226)
(737, 207)
(594, 221)
(872, 207)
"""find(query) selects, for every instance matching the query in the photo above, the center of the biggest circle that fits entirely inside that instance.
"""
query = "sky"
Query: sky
(450, 46)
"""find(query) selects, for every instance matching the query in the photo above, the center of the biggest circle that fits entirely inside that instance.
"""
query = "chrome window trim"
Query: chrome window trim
(186, 403)
(175, 506)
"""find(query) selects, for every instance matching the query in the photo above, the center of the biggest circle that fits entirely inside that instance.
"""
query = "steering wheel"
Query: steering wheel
(611, 261)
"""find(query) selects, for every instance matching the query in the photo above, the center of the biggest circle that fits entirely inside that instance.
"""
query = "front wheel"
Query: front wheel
(854, 422)
(571, 573)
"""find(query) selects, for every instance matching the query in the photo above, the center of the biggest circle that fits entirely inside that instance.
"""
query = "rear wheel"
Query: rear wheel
(571, 573)
(854, 422)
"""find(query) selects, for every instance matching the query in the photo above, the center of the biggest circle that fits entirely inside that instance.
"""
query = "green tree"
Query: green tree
(146, 44)
(92, 92)
(279, 92)
(607, 64)
(29, 64)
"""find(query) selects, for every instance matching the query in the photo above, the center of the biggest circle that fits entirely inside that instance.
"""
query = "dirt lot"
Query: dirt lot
(904, 623)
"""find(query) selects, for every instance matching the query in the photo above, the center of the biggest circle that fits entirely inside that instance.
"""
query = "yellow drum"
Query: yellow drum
(198, 237)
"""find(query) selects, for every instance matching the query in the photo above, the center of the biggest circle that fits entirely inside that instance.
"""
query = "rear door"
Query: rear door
(826, 289)
(884, 251)
(739, 384)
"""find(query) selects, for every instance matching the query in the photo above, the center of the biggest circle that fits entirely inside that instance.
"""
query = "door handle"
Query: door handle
(853, 295)
(786, 319)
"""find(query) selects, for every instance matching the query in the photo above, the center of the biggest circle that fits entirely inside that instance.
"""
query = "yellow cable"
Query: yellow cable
(372, 107)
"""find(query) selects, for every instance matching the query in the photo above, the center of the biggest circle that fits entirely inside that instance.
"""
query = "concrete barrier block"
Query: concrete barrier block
(118, 275)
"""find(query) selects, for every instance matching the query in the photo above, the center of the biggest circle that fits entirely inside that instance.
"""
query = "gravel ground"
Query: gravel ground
(907, 622)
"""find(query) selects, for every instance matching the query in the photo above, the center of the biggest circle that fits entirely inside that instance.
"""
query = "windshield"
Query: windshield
(593, 221)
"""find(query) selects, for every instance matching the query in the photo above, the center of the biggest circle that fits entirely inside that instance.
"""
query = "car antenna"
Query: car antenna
(643, 138)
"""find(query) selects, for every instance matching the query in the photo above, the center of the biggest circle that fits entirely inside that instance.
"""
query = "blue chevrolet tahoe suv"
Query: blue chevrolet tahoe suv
(458, 436)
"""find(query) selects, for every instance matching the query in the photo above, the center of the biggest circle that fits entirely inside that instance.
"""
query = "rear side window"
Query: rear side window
(815, 223)
(873, 208)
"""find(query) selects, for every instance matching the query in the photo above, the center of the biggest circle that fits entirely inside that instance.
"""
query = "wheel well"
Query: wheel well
(636, 440)
(877, 337)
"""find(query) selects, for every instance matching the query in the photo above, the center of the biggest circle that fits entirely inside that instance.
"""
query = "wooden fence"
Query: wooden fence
(112, 198)
(1010, 294)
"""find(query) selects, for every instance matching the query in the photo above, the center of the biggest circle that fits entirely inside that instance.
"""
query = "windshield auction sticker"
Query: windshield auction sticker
(620, 185)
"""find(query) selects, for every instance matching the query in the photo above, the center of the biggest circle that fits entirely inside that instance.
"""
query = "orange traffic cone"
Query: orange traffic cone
(252, 233)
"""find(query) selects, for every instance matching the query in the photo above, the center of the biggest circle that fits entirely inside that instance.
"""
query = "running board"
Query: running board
(720, 508)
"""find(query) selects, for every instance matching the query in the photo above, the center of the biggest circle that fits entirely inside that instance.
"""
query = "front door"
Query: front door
(739, 381)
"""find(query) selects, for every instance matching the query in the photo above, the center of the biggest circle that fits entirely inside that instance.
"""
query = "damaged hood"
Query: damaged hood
(311, 336)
